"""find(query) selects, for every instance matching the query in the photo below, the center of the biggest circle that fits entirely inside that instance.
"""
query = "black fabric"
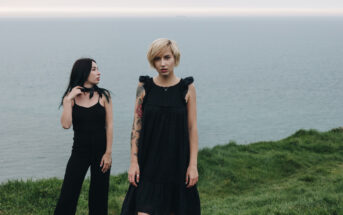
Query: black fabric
(163, 154)
(88, 148)
(88, 119)
(91, 90)
(100, 91)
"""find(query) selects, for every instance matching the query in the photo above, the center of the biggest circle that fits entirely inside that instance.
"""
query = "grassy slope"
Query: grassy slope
(302, 174)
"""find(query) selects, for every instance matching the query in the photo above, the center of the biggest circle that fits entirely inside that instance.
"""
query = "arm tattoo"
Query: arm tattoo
(140, 90)
(137, 122)
(133, 136)
(139, 119)
(139, 108)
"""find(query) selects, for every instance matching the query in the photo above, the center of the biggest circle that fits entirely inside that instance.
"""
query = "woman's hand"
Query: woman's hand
(133, 173)
(74, 92)
(106, 162)
(192, 176)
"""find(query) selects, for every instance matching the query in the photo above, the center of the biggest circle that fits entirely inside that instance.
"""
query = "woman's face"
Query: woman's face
(165, 62)
(94, 75)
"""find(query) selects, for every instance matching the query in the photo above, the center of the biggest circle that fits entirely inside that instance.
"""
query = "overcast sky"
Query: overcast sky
(173, 6)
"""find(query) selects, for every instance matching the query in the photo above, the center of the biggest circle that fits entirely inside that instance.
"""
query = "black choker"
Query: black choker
(90, 90)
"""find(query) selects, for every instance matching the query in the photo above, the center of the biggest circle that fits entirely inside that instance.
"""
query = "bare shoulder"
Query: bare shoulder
(191, 90)
(140, 90)
(104, 101)
(191, 87)
(190, 93)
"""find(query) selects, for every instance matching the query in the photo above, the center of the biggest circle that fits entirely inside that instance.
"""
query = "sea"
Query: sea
(256, 78)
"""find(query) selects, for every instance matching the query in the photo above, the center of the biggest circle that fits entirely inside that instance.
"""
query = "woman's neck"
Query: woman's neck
(88, 85)
(166, 79)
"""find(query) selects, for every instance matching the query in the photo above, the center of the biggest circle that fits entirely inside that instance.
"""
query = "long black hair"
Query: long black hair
(79, 75)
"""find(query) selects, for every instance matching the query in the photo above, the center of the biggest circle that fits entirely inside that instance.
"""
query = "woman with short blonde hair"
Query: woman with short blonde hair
(158, 46)
(164, 141)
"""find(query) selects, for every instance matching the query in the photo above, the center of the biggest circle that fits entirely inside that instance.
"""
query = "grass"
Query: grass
(299, 175)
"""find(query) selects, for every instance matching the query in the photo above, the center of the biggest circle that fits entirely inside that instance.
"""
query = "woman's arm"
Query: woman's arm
(106, 160)
(192, 171)
(109, 125)
(136, 129)
(68, 102)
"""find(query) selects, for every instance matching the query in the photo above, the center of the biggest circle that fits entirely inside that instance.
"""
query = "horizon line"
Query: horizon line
(164, 12)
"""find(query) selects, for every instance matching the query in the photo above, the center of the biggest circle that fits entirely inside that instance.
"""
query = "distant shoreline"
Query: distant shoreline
(121, 12)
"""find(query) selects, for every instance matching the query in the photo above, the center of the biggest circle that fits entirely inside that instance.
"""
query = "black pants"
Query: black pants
(76, 170)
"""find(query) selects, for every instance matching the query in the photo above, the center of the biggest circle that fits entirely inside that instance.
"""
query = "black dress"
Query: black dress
(163, 154)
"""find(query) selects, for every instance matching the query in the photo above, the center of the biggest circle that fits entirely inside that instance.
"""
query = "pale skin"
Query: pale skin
(82, 99)
(164, 64)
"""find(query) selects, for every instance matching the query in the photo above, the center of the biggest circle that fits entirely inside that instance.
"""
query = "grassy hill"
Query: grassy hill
(301, 174)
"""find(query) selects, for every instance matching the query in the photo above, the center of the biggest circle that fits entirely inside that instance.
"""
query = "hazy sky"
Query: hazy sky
(176, 3)
(8, 7)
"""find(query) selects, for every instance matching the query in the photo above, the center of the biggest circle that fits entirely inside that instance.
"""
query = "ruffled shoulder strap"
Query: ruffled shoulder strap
(185, 82)
(188, 80)
(147, 83)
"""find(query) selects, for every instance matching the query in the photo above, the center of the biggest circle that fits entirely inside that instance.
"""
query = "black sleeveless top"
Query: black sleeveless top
(88, 119)
(89, 128)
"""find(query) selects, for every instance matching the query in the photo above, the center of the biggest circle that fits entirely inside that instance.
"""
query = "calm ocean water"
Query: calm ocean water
(256, 78)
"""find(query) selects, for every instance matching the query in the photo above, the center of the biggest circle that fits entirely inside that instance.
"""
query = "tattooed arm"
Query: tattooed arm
(136, 129)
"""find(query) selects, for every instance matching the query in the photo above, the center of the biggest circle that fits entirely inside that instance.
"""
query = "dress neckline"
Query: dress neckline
(89, 106)
(167, 87)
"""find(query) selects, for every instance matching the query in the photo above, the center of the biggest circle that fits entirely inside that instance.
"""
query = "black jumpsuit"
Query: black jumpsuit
(88, 148)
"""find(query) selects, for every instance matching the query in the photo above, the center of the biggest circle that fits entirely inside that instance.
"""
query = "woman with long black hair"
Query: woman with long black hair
(89, 109)
(164, 142)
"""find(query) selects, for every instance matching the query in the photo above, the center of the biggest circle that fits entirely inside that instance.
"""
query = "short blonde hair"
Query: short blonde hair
(158, 46)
